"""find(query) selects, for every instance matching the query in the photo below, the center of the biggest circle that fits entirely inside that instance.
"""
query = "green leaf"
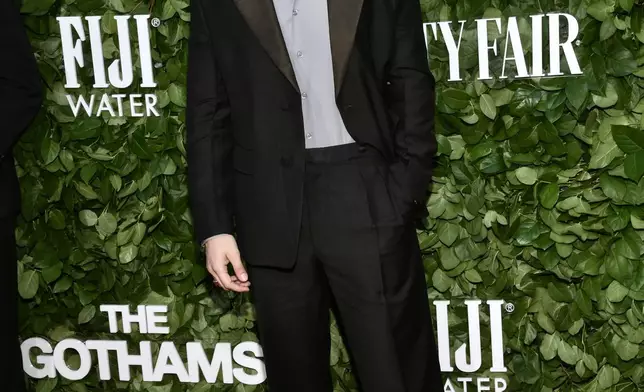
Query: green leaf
(530, 334)
(36, 7)
(607, 29)
(620, 61)
(86, 314)
(202, 386)
(606, 377)
(88, 218)
(177, 94)
(28, 284)
(49, 150)
(549, 195)
(124, 236)
(139, 233)
(67, 159)
(455, 98)
(526, 175)
(228, 322)
(634, 165)
(546, 322)
(590, 362)
(441, 281)
(106, 224)
(607, 100)
(168, 11)
(549, 347)
(603, 154)
(88, 172)
(46, 384)
(501, 97)
(448, 233)
(601, 10)
(85, 190)
(628, 139)
(473, 276)
(487, 106)
(63, 284)
(52, 272)
(492, 164)
(527, 232)
(128, 253)
(612, 187)
(625, 349)
(160, 388)
(577, 92)
(616, 292)
(481, 150)
(576, 327)
(56, 219)
(140, 145)
(569, 354)
(580, 368)
(179, 4)
(116, 182)
(626, 4)
(561, 292)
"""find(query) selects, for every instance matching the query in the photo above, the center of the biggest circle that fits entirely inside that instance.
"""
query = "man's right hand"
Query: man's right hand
(222, 250)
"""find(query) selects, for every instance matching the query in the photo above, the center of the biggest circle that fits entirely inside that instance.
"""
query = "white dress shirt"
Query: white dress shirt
(305, 27)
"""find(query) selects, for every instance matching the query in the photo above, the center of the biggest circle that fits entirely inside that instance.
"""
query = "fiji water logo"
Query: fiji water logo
(468, 357)
(75, 31)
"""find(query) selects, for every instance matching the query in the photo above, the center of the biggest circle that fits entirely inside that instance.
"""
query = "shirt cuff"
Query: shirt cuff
(203, 243)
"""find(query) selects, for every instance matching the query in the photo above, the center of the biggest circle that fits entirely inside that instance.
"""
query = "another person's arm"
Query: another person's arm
(410, 93)
(20, 86)
(209, 147)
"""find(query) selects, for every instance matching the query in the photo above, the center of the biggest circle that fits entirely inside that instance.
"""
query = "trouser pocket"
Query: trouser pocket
(383, 205)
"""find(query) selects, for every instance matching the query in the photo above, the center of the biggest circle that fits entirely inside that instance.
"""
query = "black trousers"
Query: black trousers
(354, 250)
(14, 375)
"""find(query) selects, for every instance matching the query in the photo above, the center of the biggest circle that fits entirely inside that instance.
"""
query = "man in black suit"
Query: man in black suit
(310, 137)
(20, 100)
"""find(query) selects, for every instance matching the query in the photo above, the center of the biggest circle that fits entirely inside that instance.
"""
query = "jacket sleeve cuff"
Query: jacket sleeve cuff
(413, 179)
(204, 233)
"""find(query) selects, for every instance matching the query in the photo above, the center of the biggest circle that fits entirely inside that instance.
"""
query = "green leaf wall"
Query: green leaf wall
(538, 200)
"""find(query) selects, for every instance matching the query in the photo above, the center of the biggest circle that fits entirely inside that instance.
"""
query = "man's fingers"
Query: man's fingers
(238, 267)
(223, 277)
(235, 280)
(216, 261)
(217, 265)
(215, 277)
(227, 282)
(210, 268)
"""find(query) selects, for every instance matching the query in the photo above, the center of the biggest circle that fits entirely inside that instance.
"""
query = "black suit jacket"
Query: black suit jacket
(20, 99)
(245, 137)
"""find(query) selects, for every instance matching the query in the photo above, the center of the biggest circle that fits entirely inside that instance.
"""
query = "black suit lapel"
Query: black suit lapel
(261, 17)
(344, 16)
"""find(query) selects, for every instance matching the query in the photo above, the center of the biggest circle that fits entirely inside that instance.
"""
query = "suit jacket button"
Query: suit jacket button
(348, 107)
(287, 161)
(286, 106)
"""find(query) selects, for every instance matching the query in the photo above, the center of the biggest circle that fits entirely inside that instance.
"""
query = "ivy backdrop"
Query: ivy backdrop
(538, 200)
